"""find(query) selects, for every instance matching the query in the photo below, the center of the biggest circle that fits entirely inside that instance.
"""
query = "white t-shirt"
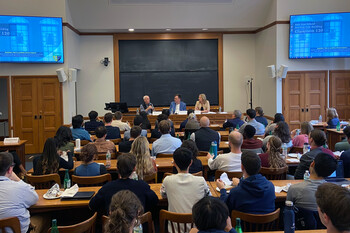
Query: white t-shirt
(230, 162)
(177, 108)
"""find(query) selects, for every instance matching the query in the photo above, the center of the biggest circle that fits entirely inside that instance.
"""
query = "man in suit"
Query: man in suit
(205, 135)
(177, 105)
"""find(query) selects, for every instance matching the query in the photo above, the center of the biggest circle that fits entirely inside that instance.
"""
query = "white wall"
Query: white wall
(239, 62)
(95, 83)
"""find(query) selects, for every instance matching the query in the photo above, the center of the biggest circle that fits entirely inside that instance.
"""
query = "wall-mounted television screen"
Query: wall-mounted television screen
(28, 39)
(319, 35)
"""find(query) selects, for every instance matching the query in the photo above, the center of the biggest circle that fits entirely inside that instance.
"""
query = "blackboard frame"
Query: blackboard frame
(167, 36)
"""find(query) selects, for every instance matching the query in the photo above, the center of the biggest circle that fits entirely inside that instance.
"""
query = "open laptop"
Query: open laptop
(338, 174)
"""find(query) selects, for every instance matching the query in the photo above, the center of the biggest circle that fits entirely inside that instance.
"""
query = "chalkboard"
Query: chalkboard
(162, 68)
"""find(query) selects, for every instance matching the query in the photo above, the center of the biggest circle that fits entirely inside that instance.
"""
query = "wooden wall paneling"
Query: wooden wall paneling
(339, 92)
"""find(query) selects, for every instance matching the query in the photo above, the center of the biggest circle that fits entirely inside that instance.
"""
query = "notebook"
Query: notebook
(79, 196)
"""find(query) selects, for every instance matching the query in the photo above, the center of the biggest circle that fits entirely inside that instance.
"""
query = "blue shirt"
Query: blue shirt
(80, 133)
(332, 123)
(166, 144)
(233, 123)
(260, 129)
(127, 134)
(261, 120)
(92, 169)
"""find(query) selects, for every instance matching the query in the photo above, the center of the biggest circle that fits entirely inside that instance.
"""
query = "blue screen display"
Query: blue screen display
(319, 35)
(27, 39)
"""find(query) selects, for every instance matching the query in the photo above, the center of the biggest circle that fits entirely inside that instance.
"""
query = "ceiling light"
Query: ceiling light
(204, 29)
(131, 29)
(168, 29)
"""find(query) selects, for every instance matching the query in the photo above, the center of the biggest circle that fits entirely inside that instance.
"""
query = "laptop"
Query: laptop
(338, 174)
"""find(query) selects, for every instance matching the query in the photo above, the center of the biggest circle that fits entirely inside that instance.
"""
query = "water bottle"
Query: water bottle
(238, 227)
(54, 226)
(77, 144)
(214, 149)
(108, 159)
(307, 175)
(137, 111)
(220, 109)
(320, 119)
(237, 126)
(289, 218)
(297, 132)
(284, 150)
(338, 126)
(305, 148)
(134, 176)
(66, 182)
(138, 228)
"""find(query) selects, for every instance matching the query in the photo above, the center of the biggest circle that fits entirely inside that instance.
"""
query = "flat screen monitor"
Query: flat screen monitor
(319, 36)
(28, 39)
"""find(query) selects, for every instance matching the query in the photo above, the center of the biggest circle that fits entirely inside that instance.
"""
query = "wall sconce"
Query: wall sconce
(105, 61)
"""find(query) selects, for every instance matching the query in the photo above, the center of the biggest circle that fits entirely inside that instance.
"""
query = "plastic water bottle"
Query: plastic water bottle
(307, 175)
(289, 218)
(238, 227)
(54, 226)
(214, 149)
(138, 228)
(237, 126)
(66, 182)
(297, 132)
(284, 150)
(338, 126)
(77, 144)
(108, 159)
(220, 109)
(320, 119)
(137, 111)
(305, 148)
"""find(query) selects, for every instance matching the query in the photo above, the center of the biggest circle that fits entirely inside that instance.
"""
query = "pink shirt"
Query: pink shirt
(300, 140)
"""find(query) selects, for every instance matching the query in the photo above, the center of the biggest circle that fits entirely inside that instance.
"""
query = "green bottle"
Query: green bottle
(238, 227)
(54, 226)
(237, 126)
(338, 126)
(66, 182)
(189, 136)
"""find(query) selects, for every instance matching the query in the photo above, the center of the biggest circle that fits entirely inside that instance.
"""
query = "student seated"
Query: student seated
(183, 124)
(230, 162)
(249, 142)
(272, 158)
(118, 122)
(112, 132)
(94, 122)
(281, 131)
(345, 156)
(317, 140)
(333, 203)
(137, 122)
(126, 165)
(210, 215)
(260, 128)
(101, 143)
(183, 190)
(192, 122)
(78, 132)
(63, 139)
(235, 122)
(303, 137)
(88, 166)
(332, 118)
(50, 161)
(156, 132)
(145, 122)
(124, 212)
(254, 194)
(196, 165)
(205, 135)
(272, 125)
(125, 146)
(303, 194)
(145, 165)
(166, 144)
(260, 116)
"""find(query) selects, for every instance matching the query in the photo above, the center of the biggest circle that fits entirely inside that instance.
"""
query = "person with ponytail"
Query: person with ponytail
(124, 211)
(145, 165)
(52, 160)
(272, 158)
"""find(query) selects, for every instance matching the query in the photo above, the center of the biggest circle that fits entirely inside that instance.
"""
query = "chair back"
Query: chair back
(88, 181)
(200, 173)
(229, 174)
(189, 132)
(82, 142)
(256, 150)
(87, 226)
(274, 173)
(102, 155)
(43, 181)
(224, 138)
(115, 141)
(151, 140)
(307, 220)
(297, 149)
(12, 223)
(180, 222)
(150, 179)
(256, 222)
(145, 218)
(161, 155)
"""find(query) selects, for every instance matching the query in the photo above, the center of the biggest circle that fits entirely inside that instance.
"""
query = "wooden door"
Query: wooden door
(37, 108)
(339, 92)
(304, 96)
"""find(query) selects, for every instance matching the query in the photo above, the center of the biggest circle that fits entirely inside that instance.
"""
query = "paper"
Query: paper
(337, 153)
(278, 189)
(53, 192)
(225, 179)
(293, 160)
(285, 188)
(293, 155)
(71, 191)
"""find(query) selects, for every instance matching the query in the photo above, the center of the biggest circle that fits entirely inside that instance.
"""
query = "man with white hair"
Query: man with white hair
(205, 135)
(147, 106)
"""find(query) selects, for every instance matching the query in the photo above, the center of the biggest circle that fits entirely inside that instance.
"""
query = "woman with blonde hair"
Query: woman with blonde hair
(124, 211)
(272, 158)
(202, 104)
(332, 118)
(145, 165)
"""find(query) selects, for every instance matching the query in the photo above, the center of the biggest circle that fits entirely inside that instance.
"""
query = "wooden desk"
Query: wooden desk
(334, 136)
(44, 205)
(18, 147)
